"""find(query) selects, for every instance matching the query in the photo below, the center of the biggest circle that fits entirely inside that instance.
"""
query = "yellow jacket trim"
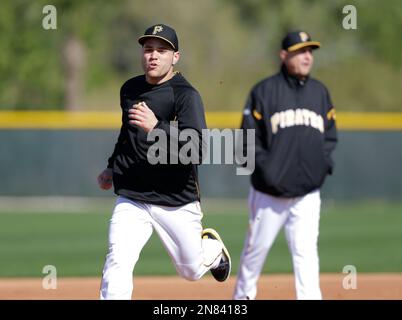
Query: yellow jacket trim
(257, 115)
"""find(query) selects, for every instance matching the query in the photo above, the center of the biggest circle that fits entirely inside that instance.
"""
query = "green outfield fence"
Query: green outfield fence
(57, 153)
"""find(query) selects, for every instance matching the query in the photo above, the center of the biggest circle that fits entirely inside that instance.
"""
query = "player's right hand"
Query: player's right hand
(105, 179)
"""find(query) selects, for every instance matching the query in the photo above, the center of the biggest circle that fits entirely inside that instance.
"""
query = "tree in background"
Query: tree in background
(30, 77)
(227, 45)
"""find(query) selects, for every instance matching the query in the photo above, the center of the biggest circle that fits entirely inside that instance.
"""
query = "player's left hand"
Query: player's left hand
(142, 116)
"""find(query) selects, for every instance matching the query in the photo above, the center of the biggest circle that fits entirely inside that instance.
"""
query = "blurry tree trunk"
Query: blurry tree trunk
(74, 61)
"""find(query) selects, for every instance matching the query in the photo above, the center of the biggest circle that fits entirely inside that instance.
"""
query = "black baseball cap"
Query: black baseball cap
(298, 39)
(161, 31)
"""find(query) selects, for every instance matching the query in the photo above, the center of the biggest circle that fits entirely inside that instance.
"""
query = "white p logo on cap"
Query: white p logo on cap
(157, 29)
(303, 36)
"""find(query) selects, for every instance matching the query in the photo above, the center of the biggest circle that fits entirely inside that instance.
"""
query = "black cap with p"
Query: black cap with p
(163, 32)
(298, 39)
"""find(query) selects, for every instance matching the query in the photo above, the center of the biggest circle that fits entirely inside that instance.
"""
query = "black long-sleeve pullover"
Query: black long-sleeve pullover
(171, 184)
(294, 122)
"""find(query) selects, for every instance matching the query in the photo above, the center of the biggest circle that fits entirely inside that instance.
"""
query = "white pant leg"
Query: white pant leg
(302, 229)
(267, 216)
(180, 229)
(130, 228)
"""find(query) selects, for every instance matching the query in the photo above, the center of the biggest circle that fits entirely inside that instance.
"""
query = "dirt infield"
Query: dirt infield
(271, 287)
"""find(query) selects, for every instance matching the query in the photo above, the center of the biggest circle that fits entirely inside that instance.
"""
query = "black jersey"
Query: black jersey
(294, 122)
(133, 175)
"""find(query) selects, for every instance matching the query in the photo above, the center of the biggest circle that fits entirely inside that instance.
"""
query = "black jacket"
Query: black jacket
(133, 176)
(294, 122)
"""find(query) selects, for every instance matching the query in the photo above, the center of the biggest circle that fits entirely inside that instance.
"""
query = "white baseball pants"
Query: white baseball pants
(300, 216)
(179, 229)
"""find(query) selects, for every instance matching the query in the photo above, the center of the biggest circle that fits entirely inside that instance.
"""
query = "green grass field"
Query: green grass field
(367, 235)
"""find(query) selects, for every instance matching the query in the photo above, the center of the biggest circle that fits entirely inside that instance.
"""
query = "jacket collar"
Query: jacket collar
(293, 81)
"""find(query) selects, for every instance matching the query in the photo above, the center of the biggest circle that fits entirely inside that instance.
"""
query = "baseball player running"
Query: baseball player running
(294, 122)
(160, 197)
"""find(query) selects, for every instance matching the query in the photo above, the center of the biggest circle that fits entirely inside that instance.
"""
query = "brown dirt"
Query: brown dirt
(271, 287)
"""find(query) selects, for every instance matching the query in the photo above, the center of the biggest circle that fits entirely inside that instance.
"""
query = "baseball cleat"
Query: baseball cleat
(222, 271)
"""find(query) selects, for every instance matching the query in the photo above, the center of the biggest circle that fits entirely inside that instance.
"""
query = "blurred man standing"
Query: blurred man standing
(294, 122)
